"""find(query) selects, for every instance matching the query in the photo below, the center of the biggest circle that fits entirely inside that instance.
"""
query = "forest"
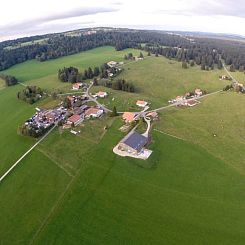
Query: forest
(205, 52)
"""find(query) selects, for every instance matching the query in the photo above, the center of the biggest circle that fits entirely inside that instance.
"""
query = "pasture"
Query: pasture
(158, 80)
(73, 189)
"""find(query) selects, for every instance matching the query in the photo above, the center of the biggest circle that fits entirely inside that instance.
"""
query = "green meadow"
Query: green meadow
(75, 190)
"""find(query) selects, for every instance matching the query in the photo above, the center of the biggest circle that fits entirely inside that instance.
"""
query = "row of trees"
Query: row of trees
(72, 74)
(33, 131)
(9, 80)
(119, 84)
(30, 94)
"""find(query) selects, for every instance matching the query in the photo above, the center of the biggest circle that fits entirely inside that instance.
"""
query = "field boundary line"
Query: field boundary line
(160, 131)
(25, 154)
(55, 162)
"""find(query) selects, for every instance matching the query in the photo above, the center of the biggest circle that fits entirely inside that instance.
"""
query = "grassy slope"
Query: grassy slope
(13, 114)
(27, 196)
(189, 197)
(223, 115)
(158, 79)
(2, 83)
(33, 69)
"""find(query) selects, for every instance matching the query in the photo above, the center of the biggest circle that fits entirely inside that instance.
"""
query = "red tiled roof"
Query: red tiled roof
(128, 116)
(75, 118)
(91, 111)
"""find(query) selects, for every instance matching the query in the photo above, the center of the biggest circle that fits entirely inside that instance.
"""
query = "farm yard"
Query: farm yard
(74, 188)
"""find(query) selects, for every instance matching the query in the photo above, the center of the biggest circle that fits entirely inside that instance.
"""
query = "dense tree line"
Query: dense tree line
(68, 74)
(204, 51)
(119, 84)
(33, 130)
(30, 94)
(9, 80)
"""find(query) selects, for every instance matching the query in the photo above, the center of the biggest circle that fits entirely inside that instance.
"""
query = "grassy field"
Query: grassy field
(2, 83)
(158, 80)
(73, 189)
(40, 41)
(188, 197)
(34, 70)
(222, 115)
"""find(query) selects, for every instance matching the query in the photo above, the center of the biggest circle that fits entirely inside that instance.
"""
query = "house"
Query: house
(152, 115)
(133, 143)
(76, 119)
(101, 94)
(141, 103)
(179, 98)
(112, 64)
(198, 92)
(76, 86)
(93, 112)
(128, 117)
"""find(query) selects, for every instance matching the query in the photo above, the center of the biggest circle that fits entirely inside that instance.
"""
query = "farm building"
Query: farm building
(192, 103)
(198, 92)
(76, 86)
(101, 94)
(128, 117)
(112, 63)
(133, 143)
(152, 115)
(93, 112)
(76, 119)
(141, 103)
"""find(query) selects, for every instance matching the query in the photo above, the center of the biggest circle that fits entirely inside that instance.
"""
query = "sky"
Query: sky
(21, 18)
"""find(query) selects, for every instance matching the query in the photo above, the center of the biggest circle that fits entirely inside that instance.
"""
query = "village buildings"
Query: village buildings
(129, 117)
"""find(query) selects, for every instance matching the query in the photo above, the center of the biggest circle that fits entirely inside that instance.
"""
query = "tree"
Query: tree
(184, 65)
(114, 112)
(141, 55)
(149, 53)
(192, 63)
(232, 68)
(95, 82)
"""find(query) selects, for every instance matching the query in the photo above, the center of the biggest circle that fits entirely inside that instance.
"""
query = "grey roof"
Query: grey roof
(135, 141)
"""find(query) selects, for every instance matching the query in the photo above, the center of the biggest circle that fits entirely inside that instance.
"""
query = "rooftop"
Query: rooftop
(135, 141)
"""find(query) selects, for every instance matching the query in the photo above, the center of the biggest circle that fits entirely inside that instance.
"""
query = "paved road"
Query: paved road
(91, 98)
(25, 154)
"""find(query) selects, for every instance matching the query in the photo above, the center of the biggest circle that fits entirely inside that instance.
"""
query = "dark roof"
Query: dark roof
(135, 141)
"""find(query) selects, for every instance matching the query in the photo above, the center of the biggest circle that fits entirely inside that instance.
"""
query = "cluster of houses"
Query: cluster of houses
(80, 110)
(189, 99)
(43, 119)
(114, 68)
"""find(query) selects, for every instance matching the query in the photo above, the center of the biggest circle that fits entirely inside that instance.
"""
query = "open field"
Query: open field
(73, 189)
(222, 115)
(189, 196)
(158, 80)
(34, 70)
(39, 41)
(2, 83)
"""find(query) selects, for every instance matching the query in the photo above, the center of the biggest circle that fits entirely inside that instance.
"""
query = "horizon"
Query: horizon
(31, 19)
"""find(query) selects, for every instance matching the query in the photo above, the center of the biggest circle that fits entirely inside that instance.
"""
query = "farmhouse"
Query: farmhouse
(76, 86)
(133, 143)
(101, 94)
(128, 117)
(93, 112)
(112, 64)
(141, 103)
(152, 115)
(198, 92)
(76, 119)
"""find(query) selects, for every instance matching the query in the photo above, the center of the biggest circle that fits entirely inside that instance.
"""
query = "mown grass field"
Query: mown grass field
(222, 115)
(73, 189)
(158, 80)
